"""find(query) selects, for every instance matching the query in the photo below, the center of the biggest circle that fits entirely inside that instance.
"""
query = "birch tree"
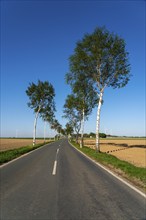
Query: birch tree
(41, 100)
(86, 96)
(103, 59)
(73, 112)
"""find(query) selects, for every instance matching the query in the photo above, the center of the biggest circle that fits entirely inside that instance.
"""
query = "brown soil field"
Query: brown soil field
(13, 143)
(129, 142)
(130, 150)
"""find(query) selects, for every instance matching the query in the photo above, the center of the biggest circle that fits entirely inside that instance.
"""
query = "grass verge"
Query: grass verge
(8, 155)
(136, 175)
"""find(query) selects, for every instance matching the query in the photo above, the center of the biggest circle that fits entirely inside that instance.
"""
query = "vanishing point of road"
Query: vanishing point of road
(56, 182)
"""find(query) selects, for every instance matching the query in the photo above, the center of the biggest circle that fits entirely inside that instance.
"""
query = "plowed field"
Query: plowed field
(131, 150)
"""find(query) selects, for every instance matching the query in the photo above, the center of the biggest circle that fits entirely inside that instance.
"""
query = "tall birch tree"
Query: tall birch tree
(41, 100)
(103, 59)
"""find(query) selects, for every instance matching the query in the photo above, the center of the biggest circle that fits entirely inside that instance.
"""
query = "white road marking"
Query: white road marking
(55, 163)
(54, 167)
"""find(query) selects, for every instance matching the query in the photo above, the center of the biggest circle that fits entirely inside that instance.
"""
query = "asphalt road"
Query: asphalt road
(56, 182)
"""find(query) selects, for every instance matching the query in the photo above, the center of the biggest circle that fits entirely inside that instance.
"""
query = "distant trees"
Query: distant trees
(102, 135)
(41, 100)
(93, 135)
(101, 58)
(57, 126)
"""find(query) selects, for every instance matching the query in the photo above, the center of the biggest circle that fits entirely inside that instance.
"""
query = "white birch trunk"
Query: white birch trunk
(98, 121)
(82, 129)
(35, 123)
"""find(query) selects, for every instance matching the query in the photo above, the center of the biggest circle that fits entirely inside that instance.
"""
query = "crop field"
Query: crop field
(130, 150)
(14, 143)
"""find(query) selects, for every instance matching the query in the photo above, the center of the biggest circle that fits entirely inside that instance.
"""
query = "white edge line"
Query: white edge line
(54, 167)
(5, 164)
(119, 178)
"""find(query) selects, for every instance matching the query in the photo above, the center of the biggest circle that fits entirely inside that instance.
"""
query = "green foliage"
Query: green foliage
(72, 111)
(102, 58)
(56, 126)
(41, 99)
(92, 134)
(102, 135)
(83, 91)
(68, 129)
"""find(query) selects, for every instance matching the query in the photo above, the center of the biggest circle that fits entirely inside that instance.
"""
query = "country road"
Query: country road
(56, 182)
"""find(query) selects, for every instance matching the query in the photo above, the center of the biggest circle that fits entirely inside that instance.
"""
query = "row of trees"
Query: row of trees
(100, 60)
(41, 100)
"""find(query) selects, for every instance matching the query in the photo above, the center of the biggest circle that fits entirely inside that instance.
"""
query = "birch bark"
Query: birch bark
(82, 130)
(98, 121)
(35, 124)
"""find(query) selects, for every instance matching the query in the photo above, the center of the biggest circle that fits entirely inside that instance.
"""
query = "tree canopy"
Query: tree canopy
(84, 92)
(41, 96)
(102, 58)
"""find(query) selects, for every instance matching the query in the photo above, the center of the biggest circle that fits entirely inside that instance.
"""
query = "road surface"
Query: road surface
(56, 182)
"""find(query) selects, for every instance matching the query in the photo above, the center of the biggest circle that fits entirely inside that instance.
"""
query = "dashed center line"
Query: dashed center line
(54, 167)
(55, 163)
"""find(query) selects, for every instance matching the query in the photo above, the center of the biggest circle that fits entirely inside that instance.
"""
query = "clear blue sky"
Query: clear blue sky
(37, 38)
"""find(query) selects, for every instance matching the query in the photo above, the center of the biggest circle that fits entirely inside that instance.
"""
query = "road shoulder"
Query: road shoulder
(111, 170)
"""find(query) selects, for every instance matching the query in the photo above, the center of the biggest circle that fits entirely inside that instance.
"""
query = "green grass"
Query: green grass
(9, 155)
(133, 173)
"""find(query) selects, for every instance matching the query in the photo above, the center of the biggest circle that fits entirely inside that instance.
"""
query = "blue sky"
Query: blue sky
(37, 38)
